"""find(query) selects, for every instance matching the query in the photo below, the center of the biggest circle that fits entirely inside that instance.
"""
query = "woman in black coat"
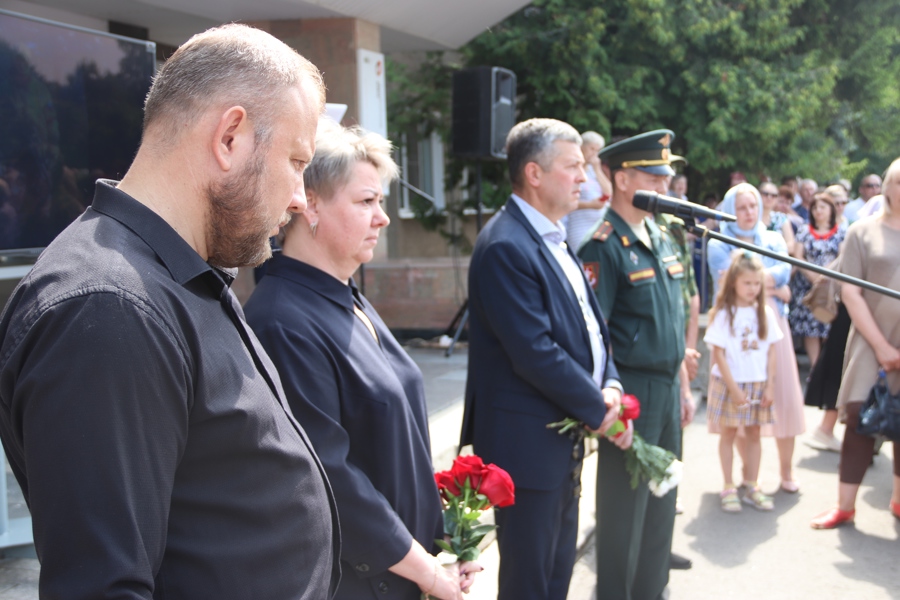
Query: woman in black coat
(355, 391)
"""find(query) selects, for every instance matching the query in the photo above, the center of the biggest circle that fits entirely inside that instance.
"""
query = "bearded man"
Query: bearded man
(146, 425)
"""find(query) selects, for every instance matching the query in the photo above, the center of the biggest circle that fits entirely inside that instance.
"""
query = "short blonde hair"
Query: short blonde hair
(338, 149)
(836, 192)
(893, 171)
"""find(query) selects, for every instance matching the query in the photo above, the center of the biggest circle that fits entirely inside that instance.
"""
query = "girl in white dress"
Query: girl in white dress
(740, 336)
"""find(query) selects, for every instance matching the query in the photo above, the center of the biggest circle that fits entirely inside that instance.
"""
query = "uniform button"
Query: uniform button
(362, 568)
(383, 587)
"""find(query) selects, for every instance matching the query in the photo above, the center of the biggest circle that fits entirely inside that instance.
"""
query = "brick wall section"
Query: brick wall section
(407, 293)
(417, 293)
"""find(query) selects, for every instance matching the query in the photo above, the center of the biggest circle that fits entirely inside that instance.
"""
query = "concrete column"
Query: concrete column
(331, 45)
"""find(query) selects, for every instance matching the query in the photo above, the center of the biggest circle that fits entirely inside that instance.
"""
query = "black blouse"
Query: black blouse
(362, 403)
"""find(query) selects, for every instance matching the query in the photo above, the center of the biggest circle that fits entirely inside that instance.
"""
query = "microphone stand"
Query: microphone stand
(702, 231)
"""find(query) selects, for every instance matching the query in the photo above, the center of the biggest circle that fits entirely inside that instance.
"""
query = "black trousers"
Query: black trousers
(536, 537)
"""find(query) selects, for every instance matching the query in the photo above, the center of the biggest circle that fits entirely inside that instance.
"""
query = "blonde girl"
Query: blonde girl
(740, 336)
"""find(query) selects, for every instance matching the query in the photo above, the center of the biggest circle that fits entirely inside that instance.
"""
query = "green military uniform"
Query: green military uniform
(639, 290)
(674, 227)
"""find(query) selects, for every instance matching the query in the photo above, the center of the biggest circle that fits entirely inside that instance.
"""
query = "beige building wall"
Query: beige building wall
(331, 45)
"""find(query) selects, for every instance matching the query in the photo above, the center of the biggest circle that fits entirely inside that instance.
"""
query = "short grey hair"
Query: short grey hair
(592, 137)
(338, 149)
(234, 65)
(811, 182)
(876, 175)
(533, 141)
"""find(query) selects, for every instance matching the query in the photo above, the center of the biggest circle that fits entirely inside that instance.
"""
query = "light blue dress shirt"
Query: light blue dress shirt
(554, 235)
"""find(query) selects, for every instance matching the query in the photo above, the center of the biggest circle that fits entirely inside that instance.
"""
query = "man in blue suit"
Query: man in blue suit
(538, 353)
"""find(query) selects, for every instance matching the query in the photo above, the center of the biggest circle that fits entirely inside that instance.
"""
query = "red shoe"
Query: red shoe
(895, 509)
(832, 518)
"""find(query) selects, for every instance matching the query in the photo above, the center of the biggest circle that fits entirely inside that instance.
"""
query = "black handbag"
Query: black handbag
(880, 414)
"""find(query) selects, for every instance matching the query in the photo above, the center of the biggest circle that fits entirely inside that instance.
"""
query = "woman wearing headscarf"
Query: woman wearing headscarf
(745, 203)
(351, 386)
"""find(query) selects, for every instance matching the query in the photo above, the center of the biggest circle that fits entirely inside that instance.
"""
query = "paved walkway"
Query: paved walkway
(777, 555)
(744, 556)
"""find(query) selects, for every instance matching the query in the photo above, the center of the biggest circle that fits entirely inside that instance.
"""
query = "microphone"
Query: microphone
(658, 203)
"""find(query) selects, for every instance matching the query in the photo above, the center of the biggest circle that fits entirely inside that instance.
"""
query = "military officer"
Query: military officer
(674, 228)
(636, 275)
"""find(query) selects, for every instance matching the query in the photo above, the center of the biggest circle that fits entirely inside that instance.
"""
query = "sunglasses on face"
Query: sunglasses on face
(768, 194)
(871, 185)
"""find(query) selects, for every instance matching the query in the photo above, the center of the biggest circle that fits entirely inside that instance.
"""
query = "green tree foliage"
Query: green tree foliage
(419, 97)
(774, 87)
(418, 103)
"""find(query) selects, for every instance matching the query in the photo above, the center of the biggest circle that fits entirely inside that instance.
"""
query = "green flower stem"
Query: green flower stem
(461, 523)
(643, 461)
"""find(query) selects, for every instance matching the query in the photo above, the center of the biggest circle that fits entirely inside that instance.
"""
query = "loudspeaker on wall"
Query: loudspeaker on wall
(484, 110)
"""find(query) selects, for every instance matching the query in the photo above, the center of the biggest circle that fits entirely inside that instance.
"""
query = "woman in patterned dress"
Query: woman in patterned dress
(818, 243)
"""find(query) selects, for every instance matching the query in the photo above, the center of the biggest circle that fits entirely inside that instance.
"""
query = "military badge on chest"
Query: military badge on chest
(592, 272)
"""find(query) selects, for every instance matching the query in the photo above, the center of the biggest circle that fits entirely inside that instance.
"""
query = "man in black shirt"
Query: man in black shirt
(147, 427)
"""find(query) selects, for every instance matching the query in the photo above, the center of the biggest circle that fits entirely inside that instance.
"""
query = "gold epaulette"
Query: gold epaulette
(603, 232)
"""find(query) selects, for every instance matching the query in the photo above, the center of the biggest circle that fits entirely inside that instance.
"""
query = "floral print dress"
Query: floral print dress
(818, 249)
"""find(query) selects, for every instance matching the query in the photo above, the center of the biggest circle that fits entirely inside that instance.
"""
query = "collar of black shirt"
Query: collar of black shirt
(182, 261)
(315, 279)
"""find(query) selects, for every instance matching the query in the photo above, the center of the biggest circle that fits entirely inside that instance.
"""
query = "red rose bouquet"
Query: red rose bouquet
(644, 462)
(467, 489)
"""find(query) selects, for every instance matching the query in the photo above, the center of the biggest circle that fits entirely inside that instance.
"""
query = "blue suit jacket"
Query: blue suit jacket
(530, 359)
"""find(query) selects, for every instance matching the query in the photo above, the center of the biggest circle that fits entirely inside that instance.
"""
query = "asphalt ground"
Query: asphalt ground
(742, 556)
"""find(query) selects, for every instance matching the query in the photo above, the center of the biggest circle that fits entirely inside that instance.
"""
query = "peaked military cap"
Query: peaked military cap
(648, 152)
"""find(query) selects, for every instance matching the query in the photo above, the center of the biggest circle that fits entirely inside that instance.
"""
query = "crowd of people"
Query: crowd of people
(812, 223)
(757, 313)
(845, 349)
(171, 443)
